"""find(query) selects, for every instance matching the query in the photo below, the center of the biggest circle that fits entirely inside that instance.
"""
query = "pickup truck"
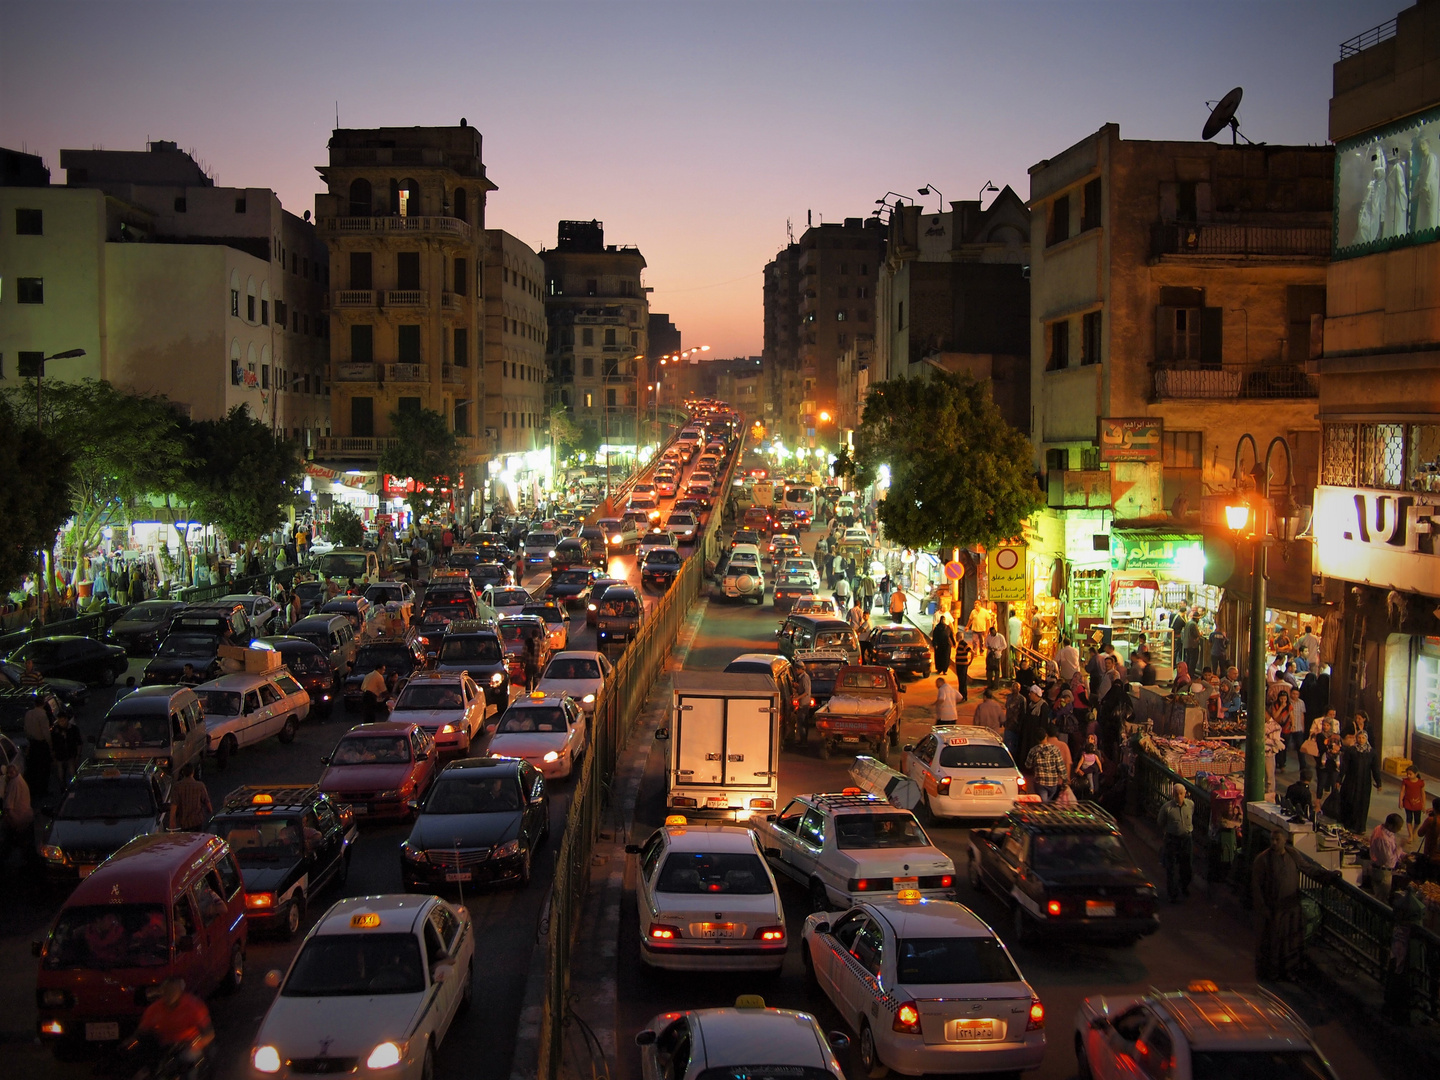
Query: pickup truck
(863, 711)
(743, 579)
(622, 533)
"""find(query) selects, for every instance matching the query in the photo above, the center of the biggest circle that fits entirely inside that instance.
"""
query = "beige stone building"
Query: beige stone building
(515, 334)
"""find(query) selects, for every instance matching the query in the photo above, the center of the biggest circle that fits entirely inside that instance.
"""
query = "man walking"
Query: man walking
(897, 606)
(372, 691)
(990, 713)
(65, 742)
(962, 666)
(1046, 765)
(1016, 638)
(190, 805)
(995, 650)
(946, 699)
(943, 640)
(1275, 889)
(1177, 821)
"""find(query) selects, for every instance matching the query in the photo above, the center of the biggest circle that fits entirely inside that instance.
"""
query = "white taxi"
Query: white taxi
(927, 986)
(1193, 1034)
(550, 731)
(964, 770)
(707, 900)
(449, 705)
(581, 674)
(749, 1040)
(372, 991)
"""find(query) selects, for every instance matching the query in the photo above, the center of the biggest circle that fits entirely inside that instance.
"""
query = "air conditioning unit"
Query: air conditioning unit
(492, 433)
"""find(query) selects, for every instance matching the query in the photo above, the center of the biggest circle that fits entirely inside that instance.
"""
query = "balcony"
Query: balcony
(1240, 241)
(357, 372)
(451, 374)
(407, 373)
(1233, 382)
(405, 298)
(352, 447)
(408, 226)
(355, 298)
(450, 301)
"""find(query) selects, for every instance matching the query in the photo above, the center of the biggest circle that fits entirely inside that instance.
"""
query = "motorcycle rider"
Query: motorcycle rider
(179, 1023)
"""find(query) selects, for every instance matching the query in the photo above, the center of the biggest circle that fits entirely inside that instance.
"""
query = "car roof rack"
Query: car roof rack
(269, 796)
(93, 767)
(850, 800)
(471, 626)
(1083, 817)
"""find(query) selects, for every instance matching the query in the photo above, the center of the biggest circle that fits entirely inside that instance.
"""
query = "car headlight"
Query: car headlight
(266, 1059)
(496, 679)
(448, 729)
(384, 1056)
(588, 699)
(552, 554)
(412, 854)
(553, 756)
(51, 853)
(616, 539)
(510, 847)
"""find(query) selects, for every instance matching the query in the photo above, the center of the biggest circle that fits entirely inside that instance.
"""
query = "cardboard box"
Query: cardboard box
(251, 661)
(1395, 766)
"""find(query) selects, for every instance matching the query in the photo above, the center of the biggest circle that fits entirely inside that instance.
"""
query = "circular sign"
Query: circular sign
(954, 571)
(1007, 558)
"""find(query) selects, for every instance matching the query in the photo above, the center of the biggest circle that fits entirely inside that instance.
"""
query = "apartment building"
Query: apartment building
(515, 334)
(781, 348)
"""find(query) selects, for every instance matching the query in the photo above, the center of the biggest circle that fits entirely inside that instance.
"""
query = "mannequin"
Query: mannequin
(1397, 197)
(1425, 186)
(1372, 206)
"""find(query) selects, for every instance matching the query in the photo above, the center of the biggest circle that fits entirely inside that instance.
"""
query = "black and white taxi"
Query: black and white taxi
(1200, 1032)
(927, 987)
(748, 1041)
(849, 846)
(373, 990)
(707, 900)
(965, 771)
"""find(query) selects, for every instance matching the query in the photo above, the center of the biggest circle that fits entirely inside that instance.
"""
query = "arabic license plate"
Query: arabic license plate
(984, 789)
(850, 738)
(907, 883)
(1100, 909)
(718, 930)
(457, 875)
(86, 871)
(102, 1032)
(720, 801)
(969, 1030)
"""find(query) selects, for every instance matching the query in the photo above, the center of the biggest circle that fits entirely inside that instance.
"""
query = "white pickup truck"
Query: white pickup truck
(743, 579)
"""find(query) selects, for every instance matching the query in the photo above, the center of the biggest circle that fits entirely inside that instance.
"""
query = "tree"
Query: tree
(35, 498)
(244, 478)
(346, 528)
(959, 474)
(567, 436)
(426, 451)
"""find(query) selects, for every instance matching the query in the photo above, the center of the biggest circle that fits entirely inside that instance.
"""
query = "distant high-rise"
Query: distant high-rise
(515, 333)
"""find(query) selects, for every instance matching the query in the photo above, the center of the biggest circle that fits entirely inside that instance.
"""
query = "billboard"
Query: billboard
(1131, 438)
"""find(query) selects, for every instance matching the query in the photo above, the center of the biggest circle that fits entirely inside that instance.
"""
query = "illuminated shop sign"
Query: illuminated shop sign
(1387, 187)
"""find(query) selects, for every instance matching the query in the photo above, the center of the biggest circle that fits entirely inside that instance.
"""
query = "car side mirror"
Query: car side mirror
(645, 1038)
(632, 849)
(820, 928)
(769, 817)
(838, 1040)
(661, 734)
(185, 943)
(272, 978)
(908, 748)
(902, 689)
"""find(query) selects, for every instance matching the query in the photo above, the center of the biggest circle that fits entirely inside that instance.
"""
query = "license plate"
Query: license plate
(850, 738)
(907, 882)
(984, 789)
(969, 1030)
(457, 875)
(717, 800)
(718, 930)
(102, 1032)
(360, 808)
(86, 871)
(1100, 909)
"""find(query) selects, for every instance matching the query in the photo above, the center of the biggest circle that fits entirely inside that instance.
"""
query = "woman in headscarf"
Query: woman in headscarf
(1115, 710)
(1310, 694)
(1034, 721)
(1359, 773)
(1181, 685)
(1279, 711)
(942, 638)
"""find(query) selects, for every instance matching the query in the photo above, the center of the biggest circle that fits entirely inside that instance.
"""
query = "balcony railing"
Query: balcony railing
(353, 447)
(412, 373)
(405, 298)
(355, 298)
(1310, 241)
(437, 226)
(357, 372)
(451, 374)
(1233, 382)
(1360, 42)
(450, 301)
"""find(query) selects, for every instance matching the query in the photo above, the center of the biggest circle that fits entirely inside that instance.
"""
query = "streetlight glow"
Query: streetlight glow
(824, 417)
(1236, 516)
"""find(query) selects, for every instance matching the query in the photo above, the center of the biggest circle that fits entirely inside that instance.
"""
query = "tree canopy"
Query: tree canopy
(35, 498)
(243, 478)
(346, 528)
(959, 474)
(426, 451)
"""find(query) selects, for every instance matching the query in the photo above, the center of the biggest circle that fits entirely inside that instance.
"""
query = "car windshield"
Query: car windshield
(317, 636)
(345, 567)
(824, 670)
(149, 611)
(663, 558)
(855, 831)
(470, 650)
(304, 662)
(372, 750)
(221, 702)
(109, 936)
(355, 965)
(463, 559)
(903, 635)
(1078, 853)
(954, 960)
(134, 732)
(261, 840)
(429, 695)
(517, 631)
(41, 651)
(544, 719)
(509, 598)
(308, 590)
(864, 680)
(572, 668)
(571, 577)
(975, 756)
(1257, 1065)
(621, 607)
(107, 799)
(541, 539)
(710, 872)
(187, 645)
(474, 795)
(381, 594)
(835, 639)
(751, 667)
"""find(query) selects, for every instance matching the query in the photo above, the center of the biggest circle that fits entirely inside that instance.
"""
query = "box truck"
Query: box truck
(724, 742)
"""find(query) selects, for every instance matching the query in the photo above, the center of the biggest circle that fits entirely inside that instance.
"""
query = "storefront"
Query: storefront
(1087, 571)
(1154, 574)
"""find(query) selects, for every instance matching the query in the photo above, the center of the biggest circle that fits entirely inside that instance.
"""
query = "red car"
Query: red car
(380, 769)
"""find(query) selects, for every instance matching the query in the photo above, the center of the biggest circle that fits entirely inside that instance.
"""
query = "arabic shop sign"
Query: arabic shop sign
(1134, 439)
(1006, 572)
(1380, 538)
(1181, 556)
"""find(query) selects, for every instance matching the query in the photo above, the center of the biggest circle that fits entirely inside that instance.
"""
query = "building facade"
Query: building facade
(781, 350)
(515, 333)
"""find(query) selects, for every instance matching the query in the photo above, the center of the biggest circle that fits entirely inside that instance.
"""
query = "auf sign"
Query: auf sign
(1382, 538)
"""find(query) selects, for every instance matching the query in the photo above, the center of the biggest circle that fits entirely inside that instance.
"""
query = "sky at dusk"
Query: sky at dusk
(693, 130)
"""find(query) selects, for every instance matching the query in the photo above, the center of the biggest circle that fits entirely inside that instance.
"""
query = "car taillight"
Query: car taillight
(259, 900)
(770, 933)
(1036, 1022)
(660, 932)
(871, 884)
(942, 786)
(1020, 781)
(1053, 907)
(907, 1019)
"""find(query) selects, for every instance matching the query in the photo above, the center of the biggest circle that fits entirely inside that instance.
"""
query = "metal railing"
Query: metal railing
(415, 373)
(1171, 238)
(1233, 382)
(447, 226)
(353, 446)
(1360, 42)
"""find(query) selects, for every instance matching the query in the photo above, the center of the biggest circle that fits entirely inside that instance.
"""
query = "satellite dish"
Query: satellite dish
(1223, 116)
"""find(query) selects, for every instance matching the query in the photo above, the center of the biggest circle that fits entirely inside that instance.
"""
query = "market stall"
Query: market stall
(1153, 576)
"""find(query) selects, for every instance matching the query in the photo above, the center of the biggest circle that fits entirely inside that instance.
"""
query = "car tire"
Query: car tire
(870, 1063)
(287, 733)
(294, 916)
(525, 869)
(1082, 1061)
(427, 1066)
(235, 973)
(107, 677)
(819, 897)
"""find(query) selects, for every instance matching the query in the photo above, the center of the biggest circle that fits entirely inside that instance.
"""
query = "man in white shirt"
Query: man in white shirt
(1308, 648)
(1068, 659)
(995, 652)
(946, 700)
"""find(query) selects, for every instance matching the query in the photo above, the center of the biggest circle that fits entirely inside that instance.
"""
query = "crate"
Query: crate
(1395, 766)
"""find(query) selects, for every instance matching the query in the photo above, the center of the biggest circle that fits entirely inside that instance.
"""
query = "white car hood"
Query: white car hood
(429, 717)
(337, 1026)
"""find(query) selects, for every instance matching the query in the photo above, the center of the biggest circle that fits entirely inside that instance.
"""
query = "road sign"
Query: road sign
(954, 571)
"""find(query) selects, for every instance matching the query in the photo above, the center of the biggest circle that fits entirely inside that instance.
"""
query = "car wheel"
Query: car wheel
(1024, 928)
(222, 755)
(108, 676)
(427, 1067)
(467, 995)
(525, 869)
(235, 973)
(1082, 1060)
(895, 735)
(819, 897)
(870, 1062)
(287, 733)
(972, 873)
(294, 912)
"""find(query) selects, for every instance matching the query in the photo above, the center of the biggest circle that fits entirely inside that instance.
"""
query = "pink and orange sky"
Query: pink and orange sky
(693, 130)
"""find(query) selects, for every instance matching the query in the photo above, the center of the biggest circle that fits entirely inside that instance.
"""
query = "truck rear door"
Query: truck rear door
(699, 740)
(748, 728)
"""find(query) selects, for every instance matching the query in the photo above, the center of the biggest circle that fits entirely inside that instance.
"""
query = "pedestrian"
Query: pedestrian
(1115, 710)
(1219, 648)
(1412, 800)
(1193, 638)
(859, 619)
(1177, 822)
(1307, 650)
(942, 638)
(190, 807)
(1067, 660)
(1279, 711)
(373, 689)
(1034, 721)
(1310, 748)
(885, 591)
(1327, 770)
(532, 662)
(1015, 699)
(17, 826)
(1359, 773)
(1274, 749)
(897, 606)
(1088, 768)
(31, 676)
(1427, 861)
(1046, 765)
(867, 591)
(962, 666)
(1066, 719)
(1014, 640)
(989, 713)
(1178, 622)
(946, 698)
(1275, 890)
(1385, 855)
(995, 650)
(39, 757)
(842, 592)
(66, 743)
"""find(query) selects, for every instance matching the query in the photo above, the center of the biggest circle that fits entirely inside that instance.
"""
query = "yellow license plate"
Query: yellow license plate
(969, 1030)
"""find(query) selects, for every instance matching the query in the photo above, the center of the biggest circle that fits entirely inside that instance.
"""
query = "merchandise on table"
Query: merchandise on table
(1191, 757)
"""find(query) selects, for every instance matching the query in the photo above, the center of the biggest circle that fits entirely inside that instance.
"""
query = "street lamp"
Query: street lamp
(39, 372)
(927, 189)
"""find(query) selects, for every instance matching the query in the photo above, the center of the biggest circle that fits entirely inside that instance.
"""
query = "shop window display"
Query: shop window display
(1426, 699)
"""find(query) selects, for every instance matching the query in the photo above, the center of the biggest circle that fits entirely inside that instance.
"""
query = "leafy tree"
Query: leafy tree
(244, 478)
(567, 436)
(425, 451)
(346, 528)
(35, 498)
(959, 474)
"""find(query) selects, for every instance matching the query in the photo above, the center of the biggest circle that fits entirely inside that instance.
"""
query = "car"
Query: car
(743, 579)
(557, 621)
(263, 612)
(618, 616)
(805, 633)
(623, 533)
(515, 632)
(597, 592)
(905, 650)
(580, 674)
(540, 547)
(401, 658)
(757, 518)
(655, 538)
(660, 567)
(69, 656)
(311, 594)
(646, 503)
(927, 987)
(487, 574)
(507, 599)
(380, 769)
(823, 666)
(845, 847)
(819, 606)
(377, 984)
(700, 491)
(707, 900)
(474, 647)
(308, 666)
(430, 630)
(358, 611)
(688, 506)
(390, 592)
(571, 586)
(792, 521)
(792, 586)
(482, 824)
(1065, 871)
(1205, 1030)
(291, 841)
(448, 705)
(665, 484)
(105, 806)
(141, 628)
(246, 707)
(495, 552)
(549, 730)
(683, 526)
(200, 651)
(750, 1041)
(332, 635)
(571, 551)
(783, 545)
(164, 724)
(856, 534)
(746, 536)
(965, 771)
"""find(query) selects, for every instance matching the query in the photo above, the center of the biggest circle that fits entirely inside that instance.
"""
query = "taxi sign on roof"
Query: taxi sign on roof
(262, 797)
(676, 819)
(750, 1001)
(364, 921)
(957, 740)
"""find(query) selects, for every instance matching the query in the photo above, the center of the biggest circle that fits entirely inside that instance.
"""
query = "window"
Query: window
(843, 292)
(409, 343)
(460, 276)
(635, 338)
(840, 315)
(462, 419)
(362, 416)
(1090, 338)
(1057, 460)
(361, 202)
(407, 270)
(461, 205)
(362, 344)
(589, 400)
(180, 204)
(408, 406)
(587, 336)
(1193, 335)
(1059, 358)
(900, 316)
(30, 290)
(461, 355)
(1306, 305)
(1183, 459)
(29, 222)
(240, 205)
(587, 367)
(610, 398)
(812, 828)
(264, 312)
(1059, 227)
(29, 363)
(235, 302)
(1090, 205)
(264, 376)
(592, 287)
(610, 337)
(360, 274)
